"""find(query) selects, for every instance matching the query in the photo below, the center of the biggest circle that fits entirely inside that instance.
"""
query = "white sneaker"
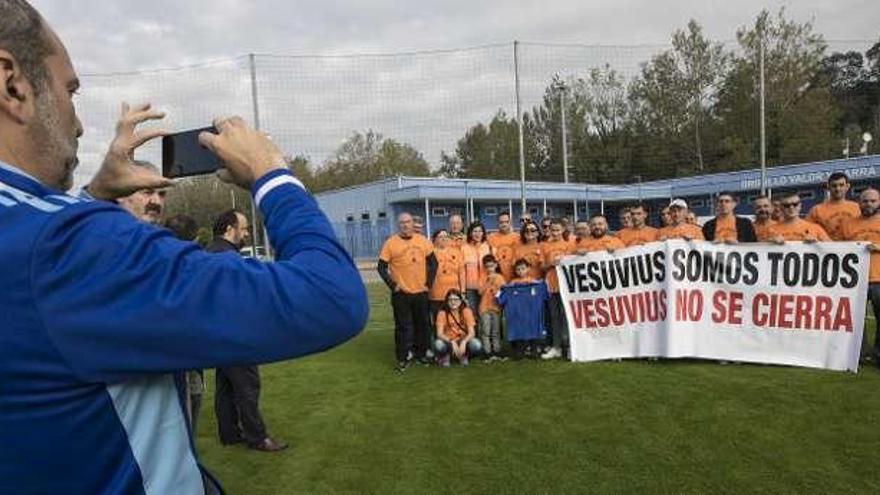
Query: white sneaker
(552, 353)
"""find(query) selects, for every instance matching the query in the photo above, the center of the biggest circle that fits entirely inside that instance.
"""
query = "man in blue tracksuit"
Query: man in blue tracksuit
(99, 309)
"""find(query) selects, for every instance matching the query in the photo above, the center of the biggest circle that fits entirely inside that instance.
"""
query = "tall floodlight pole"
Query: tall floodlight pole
(519, 122)
(254, 101)
(763, 124)
(564, 137)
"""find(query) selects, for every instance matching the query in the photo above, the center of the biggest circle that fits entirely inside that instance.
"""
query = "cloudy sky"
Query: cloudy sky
(429, 100)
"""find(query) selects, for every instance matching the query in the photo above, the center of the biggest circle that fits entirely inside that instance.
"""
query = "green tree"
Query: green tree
(486, 151)
(367, 157)
(800, 116)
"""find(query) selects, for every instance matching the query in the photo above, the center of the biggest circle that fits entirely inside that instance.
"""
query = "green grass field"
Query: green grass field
(356, 426)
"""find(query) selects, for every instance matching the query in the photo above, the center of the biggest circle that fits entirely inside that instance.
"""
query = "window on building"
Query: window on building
(534, 211)
(696, 203)
(349, 218)
(365, 215)
(490, 211)
(381, 214)
(439, 211)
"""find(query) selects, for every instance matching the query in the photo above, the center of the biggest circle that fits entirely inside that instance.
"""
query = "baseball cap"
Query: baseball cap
(678, 203)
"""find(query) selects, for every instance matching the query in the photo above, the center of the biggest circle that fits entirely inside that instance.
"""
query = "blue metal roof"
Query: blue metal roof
(411, 189)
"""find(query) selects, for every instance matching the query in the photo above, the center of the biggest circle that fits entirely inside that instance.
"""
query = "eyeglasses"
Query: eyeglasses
(453, 299)
(790, 205)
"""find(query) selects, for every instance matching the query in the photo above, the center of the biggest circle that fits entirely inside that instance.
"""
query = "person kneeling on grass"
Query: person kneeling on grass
(455, 331)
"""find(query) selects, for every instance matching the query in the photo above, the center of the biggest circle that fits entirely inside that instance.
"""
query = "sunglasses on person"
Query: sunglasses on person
(790, 205)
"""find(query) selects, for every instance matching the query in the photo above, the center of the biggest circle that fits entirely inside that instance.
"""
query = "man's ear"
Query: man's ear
(16, 92)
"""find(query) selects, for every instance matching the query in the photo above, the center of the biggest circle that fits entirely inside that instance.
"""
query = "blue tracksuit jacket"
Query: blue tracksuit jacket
(98, 310)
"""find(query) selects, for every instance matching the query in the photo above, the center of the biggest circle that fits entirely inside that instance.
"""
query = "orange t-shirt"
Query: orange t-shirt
(455, 326)
(798, 230)
(725, 228)
(868, 230)
(449, 273)
(637, 237)
(406, 259)
(762, 230)
(680, 231)
(551, 251)
(832, 215)
(490, 287)
(603, 243)
(532, 253)
(457, 240)
(472, 257)
(504, 247)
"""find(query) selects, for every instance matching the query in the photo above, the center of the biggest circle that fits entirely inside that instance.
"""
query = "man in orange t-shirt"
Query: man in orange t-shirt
(638, 233)
(599, 239)
(504, 244)
(726, 226)
(866, 228)
(832, 213)
(408, 266)
(792, 227)
(679, 228)
(553, 250)
(763, 211)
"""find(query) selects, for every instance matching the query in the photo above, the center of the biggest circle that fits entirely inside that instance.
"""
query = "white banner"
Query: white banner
(796, 304)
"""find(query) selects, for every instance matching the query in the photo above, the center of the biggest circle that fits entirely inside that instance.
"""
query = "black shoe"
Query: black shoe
(234, 441)
(269, 445)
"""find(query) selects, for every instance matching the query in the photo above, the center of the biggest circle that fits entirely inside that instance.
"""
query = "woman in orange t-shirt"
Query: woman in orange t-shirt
(472, 255)
(530, 249)
(455, 331)
(450, 271)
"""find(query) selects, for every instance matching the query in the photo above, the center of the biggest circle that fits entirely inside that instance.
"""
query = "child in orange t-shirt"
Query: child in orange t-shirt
(490, 312)
(455, 331)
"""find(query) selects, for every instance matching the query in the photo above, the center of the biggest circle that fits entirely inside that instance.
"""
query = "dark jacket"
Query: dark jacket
(219, 244)
(745, 231)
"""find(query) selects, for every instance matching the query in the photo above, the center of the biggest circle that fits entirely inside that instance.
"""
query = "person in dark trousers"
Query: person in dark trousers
(408, 266)
(726, 226)
(237, 395)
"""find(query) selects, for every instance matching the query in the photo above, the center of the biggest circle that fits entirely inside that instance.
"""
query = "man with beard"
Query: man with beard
(638, 233)
(726, 226)
(457, 236)
(237, 395)
(763, 212)
(665, 217)
(100, 310)
(599, 239)
(147, 205)
(866, 228)
(832, 213)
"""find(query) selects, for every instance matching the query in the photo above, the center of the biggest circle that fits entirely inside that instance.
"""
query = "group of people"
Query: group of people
(453, 294)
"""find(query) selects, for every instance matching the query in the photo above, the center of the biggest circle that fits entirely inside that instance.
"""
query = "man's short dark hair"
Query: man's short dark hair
(837, 175)
(228, 218)
(24, 35)
(182, 226)
(729, 194)
(760, 196)
(789, 194)
(635, 206)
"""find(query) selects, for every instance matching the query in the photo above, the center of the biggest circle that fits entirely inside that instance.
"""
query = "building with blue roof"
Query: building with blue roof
(364, 215)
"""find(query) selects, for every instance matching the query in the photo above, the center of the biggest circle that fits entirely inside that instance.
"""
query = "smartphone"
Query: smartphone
(183, 156)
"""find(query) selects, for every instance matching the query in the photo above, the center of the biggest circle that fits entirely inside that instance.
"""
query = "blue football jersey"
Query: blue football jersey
(523, 306)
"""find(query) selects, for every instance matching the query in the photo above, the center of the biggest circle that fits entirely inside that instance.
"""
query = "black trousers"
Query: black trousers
(410, 324)
(237, 405)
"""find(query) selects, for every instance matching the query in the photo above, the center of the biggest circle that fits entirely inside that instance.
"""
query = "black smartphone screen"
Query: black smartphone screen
(183, 156)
